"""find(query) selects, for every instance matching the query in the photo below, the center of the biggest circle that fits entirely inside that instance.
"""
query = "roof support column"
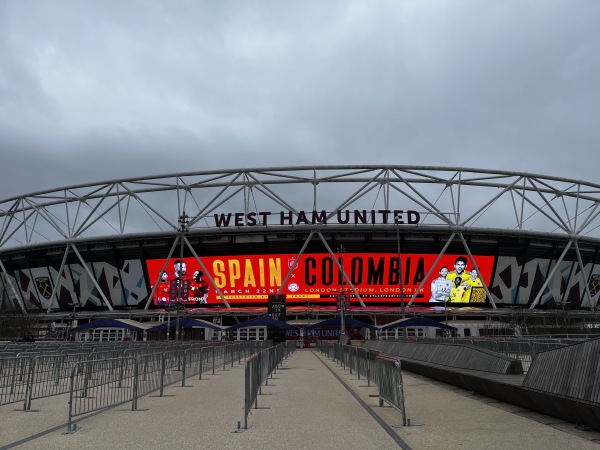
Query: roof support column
(87, 269)
(550, 275)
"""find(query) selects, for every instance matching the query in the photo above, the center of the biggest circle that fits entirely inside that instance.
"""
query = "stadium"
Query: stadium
(301, 243)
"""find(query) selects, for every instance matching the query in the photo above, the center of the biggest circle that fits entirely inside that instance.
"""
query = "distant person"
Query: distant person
(441, 287)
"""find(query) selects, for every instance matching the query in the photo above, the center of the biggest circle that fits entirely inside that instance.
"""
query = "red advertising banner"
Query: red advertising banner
(316, 278)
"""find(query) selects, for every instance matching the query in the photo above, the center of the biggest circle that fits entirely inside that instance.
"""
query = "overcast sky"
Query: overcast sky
(95, 90)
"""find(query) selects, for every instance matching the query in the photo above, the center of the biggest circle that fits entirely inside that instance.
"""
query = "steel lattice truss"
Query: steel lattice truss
(456, 198)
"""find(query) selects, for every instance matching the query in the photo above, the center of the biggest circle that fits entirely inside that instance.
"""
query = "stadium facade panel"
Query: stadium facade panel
(312, 234)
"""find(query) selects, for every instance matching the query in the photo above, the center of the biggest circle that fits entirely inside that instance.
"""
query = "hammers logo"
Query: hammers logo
(44, 286)
(594, 284)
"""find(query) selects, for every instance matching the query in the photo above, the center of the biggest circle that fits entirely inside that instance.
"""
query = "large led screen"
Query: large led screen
(250, 279)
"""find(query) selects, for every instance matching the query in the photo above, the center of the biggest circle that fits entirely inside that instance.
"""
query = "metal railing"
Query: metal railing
(101, 375)
(570, 372)
(98, 384)
(101, 384)
(384, 370)
(49, 375)
(257, 370)
(389, 382)
(523, 348)
(13, 378)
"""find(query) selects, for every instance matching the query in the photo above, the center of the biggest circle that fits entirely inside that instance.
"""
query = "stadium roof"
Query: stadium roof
(251, 200)
(127, 324)
(416, 322)
(262, 321)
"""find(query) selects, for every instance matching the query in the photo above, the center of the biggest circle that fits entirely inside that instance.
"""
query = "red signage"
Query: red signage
(316, 277)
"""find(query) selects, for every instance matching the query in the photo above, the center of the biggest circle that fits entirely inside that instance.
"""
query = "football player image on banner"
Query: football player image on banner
(162, 290)
(467, 287)
(475, 293)
(441, 287)
(199, 288)
(172, 285)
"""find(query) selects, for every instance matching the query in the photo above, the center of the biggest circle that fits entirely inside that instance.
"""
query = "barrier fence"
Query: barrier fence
(49, 375)
(389, 381)
(258, 368)
(522, 348)
(384, 370)
(100, 384)
(44, 370)
(13, 378)
(98, 376)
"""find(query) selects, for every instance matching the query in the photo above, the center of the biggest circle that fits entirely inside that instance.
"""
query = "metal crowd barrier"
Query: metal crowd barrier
(149, 376)
(100, 384)
(357, 359)
(324, 347)
(258, 368)
(29, 371)
(45, 370)
(13, 379)
(389, 382)
(49, 375)
(365, 364)
(384, 370)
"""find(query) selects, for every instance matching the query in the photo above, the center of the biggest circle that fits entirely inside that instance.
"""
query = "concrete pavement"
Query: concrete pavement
(311, 403)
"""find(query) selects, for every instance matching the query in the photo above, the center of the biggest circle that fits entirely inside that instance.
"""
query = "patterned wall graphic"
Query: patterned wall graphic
(516, 281)
(575, 293)
(8, 293)
(109, 281)
(505, 284)
(122, 287)
(84, 286)
(26, 286)
(66, 293)
(135, 290)
(554, 292)
(594, 286)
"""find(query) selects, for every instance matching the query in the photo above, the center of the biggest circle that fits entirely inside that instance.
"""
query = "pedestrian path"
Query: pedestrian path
(310, 403)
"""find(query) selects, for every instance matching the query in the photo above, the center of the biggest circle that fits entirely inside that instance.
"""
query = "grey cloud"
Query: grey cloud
(100, 90)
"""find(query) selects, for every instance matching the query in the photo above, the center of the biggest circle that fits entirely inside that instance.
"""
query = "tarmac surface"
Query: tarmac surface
(310, 403)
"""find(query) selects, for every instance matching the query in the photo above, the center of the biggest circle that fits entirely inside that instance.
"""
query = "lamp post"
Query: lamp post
(446, 309)
(74, 305)
(342, 311)
(400, 281)
(308, 317)
(73, 315)
(169, 318)
(342, 293)
(183, 227)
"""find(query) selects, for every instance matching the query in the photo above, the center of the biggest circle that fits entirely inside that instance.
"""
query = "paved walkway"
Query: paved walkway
(311, 403)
